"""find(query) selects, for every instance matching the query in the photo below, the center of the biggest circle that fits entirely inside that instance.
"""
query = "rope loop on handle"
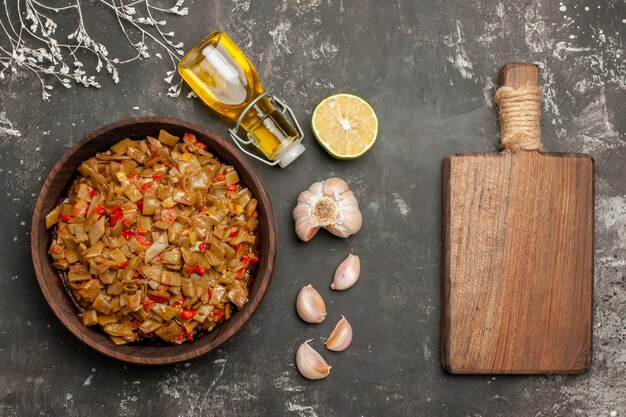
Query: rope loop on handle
(520, 116)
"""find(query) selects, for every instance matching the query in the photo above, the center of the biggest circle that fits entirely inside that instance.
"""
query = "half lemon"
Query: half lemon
(345, 125)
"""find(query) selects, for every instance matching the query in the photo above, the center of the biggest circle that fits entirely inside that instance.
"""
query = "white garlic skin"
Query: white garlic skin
(310, 363)
(341, 336)
(350, 220)
(305, 228)
(329, 204)
(310, 305)
(347, 273)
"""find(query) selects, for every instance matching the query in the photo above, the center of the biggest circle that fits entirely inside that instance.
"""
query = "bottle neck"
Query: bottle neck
(255, 114)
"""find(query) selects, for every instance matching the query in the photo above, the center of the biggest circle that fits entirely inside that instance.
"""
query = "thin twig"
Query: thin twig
(34, 46)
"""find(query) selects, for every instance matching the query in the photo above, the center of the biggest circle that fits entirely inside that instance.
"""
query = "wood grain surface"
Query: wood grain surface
(55, 187)
(517, 259)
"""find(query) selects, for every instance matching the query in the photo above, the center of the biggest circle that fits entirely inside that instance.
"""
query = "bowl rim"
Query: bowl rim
(264, 271)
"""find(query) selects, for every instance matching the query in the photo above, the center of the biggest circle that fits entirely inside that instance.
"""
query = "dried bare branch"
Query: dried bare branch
(31, 41)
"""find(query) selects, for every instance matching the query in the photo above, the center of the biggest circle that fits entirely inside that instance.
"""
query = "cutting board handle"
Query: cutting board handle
(519, 104)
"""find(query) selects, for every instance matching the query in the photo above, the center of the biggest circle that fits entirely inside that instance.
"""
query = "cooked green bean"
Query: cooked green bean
(157, 238)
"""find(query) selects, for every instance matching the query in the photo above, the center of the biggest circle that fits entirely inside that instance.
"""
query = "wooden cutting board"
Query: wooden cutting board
(517, 249)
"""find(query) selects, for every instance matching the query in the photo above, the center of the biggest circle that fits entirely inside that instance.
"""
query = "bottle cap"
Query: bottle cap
(290, 155)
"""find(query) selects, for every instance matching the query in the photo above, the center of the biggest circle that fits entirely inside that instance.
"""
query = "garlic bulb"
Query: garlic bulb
(341, 336)
(329, 204)
(347, 273)
(310, 305)
(310, 363)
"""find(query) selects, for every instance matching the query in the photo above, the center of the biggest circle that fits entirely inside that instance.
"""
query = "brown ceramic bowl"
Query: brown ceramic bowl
(56, 185)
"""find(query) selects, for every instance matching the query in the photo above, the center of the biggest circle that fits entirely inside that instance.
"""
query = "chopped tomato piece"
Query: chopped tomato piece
(249, 259)
(55, 248)
(188, 313)
(218, 314)
(115, 214)
(242, 270)
(66, 217)
(143, 241)
(156, 298)
(195, 270)
(190, 138)
(233, 234)
(232, 188)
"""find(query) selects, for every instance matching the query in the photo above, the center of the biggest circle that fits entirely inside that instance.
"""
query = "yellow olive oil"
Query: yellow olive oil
(223, 77)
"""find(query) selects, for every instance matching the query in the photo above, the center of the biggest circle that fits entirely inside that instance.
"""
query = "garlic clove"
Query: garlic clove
(305, 229)
(347, 273)
(335, 186)
(310, 305)
(317, 188)
(341, 336)
(351, 220)
(310, 363)
(341, 230)
(305, 197)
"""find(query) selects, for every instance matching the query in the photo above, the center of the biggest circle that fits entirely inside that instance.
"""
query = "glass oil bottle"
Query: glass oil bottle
(223, 77)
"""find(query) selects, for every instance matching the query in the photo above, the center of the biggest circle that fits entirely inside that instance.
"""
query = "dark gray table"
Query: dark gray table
(428, 68)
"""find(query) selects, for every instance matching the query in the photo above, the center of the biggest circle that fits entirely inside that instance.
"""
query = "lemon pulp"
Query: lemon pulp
(345, 125)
